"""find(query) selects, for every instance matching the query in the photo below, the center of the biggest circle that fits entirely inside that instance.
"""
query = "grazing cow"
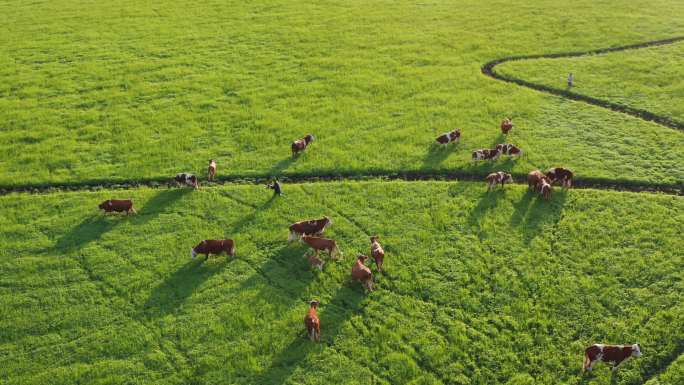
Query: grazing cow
(315, 261)
(299, 145)
(319, 244)
(362, 273)
(214, 246)
(540, 182)
(117, 205)
(506, 126)
(562, 175)
(615, 354)
(187, 179)
(508, 149)
(486, 154)
(312, 323)
(310, 227)
(498, 177)
(449, 137)
(211, 170)
(377, 252)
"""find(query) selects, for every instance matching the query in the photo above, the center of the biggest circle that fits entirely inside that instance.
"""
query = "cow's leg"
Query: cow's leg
(617, 364)
(206, 257)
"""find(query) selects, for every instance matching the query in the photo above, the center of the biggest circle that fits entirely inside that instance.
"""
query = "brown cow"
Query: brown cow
(362, 273)
(377, 252)
(498, 177)
(449, 137)
(184, 178)
(310, 227)
(214, 246)
(506, 126)
(562, 175)
(319, 244)
(616, 354)
(211, 170)
(117, 205)
(300, 145)
(486, 154)
(312, 323)
(540, 182)
(508, 149)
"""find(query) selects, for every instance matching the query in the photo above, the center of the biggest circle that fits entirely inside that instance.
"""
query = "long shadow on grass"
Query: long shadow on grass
(282, 165)
(541, 213)
(436, 154)
(333, 315)
(488, 201)
(93, 227)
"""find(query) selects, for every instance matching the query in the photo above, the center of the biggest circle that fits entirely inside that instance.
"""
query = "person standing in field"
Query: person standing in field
(571, 79)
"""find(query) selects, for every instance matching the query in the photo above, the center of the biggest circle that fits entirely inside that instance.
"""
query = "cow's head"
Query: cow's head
(361, 258)
(327, 221)
(314, 303)
(193, 253)
(545, 189)
(103, 205)
(308, 139)
(374, 238)
(507, 178)
(636, 350)
(456, 132)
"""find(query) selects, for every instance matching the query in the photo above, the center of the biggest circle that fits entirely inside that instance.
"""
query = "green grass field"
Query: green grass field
(479, 288)
(651, 78)
(130, 90)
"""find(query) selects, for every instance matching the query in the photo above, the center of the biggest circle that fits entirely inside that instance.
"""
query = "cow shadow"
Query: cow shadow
(521, 207)
(157, 203)
(174, 290)
(488, 201)
(333, 315)
(541, 213)
(89, 230)
(436, 154)
(282, 165)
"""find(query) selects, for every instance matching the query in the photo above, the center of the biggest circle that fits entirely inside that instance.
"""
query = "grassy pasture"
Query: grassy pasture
(123, 90)
(651, 78)
(480, 288)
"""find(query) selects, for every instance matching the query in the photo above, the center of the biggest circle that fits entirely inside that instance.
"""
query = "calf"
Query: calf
(310, 227)
(377, 252)
(211, 170)
(187, 179)
(486, 154)
(506, 126)
(615, 354)
(498, 177)
(362, 273)
(117, 205)
(315, 261)
(449, 137)
(319, 244)
(214, 246)
(562, 175)
(312, 323)
(508, 149)
(300, 145)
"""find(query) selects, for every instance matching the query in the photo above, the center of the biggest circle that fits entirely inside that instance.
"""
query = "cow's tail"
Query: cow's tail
(232, 249)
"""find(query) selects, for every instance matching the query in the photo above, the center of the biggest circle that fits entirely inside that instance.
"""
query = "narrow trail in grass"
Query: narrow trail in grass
(409, 176)
(488, 70)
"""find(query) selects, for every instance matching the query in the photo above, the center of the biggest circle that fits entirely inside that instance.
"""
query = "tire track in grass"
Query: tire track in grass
(665, 121)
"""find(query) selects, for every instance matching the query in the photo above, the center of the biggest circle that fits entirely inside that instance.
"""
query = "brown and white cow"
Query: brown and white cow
(562, 175)
(453, 136)
(615, 354)
(540, 182)
(312, 323)
(310, 227)
(377, 252)
(319, 244)
(315, 261)
(486, 154)
(506, 126)
(117, 205)
(215, 247)
(362, 273)
(300, 145)
(211, 170)
(184, 178)
(508, 149)
(498, 177)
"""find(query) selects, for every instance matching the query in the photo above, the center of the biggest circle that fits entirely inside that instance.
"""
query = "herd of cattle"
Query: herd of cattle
(310, 233)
